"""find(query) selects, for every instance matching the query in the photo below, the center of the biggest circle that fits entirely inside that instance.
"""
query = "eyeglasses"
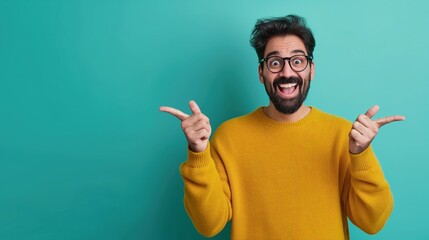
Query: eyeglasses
(298, 63)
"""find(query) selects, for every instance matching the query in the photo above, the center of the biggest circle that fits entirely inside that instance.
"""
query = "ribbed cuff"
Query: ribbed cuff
(198, 159)
(363, 161)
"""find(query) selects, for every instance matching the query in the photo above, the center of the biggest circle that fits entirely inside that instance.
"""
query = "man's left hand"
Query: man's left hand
(364, 129)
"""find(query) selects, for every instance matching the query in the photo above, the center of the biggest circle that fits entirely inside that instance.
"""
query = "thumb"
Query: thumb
(194, 107)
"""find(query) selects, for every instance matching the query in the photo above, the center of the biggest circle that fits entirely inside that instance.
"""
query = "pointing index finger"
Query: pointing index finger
(175, 112)
(386, 120)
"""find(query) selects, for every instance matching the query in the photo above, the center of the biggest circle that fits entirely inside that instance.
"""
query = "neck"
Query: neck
(272, 112)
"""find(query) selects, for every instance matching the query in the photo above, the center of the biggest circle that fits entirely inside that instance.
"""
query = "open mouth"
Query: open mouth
(288, 89)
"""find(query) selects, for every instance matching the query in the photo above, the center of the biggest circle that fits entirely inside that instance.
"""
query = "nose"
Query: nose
(287, 71)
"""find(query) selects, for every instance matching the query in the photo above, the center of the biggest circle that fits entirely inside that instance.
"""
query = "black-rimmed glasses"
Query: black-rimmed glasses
(275, 64)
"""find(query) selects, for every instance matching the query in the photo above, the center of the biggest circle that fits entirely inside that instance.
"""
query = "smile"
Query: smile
(288, 89)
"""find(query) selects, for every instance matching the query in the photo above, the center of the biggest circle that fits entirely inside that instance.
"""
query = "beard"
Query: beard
(287, 106)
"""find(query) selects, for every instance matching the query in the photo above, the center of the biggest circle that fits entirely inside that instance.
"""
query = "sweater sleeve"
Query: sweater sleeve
(207, 195)
(368, 198)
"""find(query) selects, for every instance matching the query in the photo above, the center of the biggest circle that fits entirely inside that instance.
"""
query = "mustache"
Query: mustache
(284, 80)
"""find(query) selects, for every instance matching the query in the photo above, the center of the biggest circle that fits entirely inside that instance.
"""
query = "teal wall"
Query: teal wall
(85, 153)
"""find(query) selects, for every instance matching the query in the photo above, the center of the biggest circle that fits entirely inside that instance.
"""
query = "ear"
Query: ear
(261, 77)
(312, 70)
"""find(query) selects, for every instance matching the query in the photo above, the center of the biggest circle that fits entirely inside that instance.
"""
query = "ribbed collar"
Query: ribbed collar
(266, 120)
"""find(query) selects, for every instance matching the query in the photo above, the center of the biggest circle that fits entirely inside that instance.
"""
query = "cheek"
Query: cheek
(306, 78)
(264, 78)
(309, 77)
(305, 81)
(267, 78)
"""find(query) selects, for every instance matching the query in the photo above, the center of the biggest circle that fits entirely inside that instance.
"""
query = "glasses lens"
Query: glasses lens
(275, 64)
(298, 63)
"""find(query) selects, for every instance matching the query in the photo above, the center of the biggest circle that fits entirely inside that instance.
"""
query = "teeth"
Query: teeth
(287, 85)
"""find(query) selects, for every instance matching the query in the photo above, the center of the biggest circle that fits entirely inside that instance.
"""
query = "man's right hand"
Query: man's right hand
(196, 127)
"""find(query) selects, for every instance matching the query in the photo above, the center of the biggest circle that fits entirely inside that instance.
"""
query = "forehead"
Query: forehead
(285, 46)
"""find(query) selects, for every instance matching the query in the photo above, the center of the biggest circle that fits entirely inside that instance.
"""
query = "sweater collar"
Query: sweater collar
(260, 114)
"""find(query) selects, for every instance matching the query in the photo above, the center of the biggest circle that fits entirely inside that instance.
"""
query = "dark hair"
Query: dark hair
(281, 26)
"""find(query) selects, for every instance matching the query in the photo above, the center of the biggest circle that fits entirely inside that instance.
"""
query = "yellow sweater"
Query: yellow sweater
(278, 180)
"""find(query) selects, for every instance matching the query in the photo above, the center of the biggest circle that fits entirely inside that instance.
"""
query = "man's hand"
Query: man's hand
(364, 129)
(196, 127)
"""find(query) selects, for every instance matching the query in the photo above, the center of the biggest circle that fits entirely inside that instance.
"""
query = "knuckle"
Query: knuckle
(355, 124)
(187, 132)
(184, 124)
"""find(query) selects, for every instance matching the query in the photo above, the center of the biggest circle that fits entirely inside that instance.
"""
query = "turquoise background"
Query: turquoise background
(85, 153)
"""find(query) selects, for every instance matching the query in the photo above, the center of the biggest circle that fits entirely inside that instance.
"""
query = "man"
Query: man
(286, 171)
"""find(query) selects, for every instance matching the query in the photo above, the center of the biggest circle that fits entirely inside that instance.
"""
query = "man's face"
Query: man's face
(288, 88)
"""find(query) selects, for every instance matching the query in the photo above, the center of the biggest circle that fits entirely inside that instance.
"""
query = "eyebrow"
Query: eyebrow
(274, 53)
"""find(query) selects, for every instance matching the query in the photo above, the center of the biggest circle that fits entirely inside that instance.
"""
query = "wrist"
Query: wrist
(198, 159)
